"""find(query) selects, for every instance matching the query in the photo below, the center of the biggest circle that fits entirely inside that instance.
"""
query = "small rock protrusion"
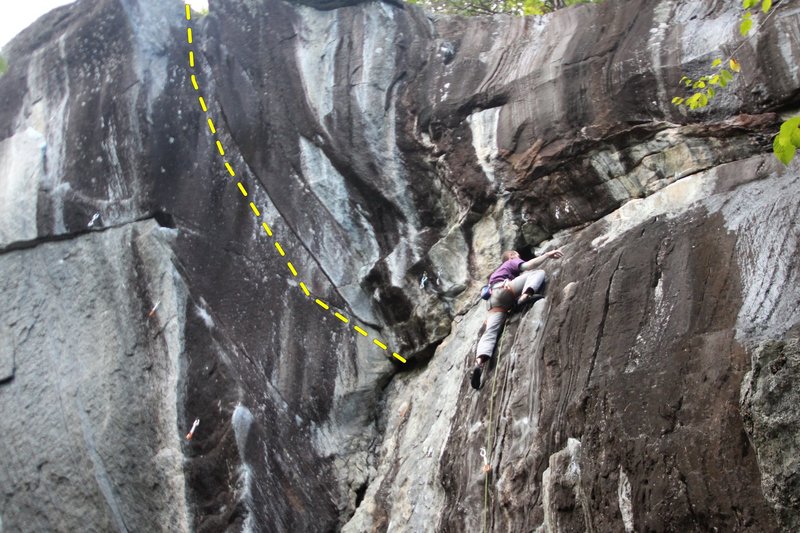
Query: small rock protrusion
(569, 290)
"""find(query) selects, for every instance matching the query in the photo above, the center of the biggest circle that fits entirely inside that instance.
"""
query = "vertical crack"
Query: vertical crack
(601, 329)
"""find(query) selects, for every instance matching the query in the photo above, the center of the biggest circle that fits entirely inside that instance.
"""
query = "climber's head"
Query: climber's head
(510, 254)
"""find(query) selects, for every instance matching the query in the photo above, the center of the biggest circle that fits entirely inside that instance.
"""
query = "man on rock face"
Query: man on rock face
(515, 282)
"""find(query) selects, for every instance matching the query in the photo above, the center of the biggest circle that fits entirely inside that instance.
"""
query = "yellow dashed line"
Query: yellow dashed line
(255, 210)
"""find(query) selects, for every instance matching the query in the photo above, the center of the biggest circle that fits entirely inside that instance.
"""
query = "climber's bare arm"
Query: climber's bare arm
(536, 262)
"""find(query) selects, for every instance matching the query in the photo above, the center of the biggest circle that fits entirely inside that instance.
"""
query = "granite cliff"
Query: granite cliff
(395, 156)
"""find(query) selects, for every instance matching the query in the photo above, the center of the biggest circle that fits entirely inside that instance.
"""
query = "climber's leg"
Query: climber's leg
(486, 344)
(529, 286)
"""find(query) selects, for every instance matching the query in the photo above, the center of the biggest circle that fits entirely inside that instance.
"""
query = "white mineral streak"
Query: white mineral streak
(244, 493)
(625, 502)
(484, 138)
(788, 43)
(699, 40)
(241, 421)
(763, 215)
(316, 56)
(373, 117)
(21, 171)
(670, 201)
(204, 315)
(151, 23)
(329, 187)
(376, 120)
(662, 13)
(57, 116)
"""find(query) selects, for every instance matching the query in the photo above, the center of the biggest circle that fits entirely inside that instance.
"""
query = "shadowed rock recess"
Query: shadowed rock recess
(395, 156)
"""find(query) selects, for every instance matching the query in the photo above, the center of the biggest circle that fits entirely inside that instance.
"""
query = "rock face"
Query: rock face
(393, 158)
(769, 399)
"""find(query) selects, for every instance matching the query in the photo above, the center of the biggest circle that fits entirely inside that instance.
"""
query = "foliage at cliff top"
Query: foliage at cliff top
(3, 65)
(787, 141)
(496, 7)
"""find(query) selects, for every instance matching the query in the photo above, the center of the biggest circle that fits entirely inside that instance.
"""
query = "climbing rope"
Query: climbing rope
(487, 452)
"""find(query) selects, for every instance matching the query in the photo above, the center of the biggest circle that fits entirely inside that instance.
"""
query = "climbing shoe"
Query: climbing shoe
(475, 379)
(528, 299)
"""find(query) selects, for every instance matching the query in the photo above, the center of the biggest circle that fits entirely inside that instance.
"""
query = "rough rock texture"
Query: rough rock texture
(394, 157)
(89, 437)
(769, 408)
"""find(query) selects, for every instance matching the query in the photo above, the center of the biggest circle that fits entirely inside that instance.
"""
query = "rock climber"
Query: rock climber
(514, 283)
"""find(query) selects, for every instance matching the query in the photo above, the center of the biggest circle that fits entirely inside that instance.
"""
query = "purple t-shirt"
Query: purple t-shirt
(508, 270)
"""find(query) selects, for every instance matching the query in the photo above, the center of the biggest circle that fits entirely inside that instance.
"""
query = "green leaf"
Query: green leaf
(714, 80)
(735, 65)
(789, 126)
(683, 79)
(795, 138)
(726, 75)
(717, 62)
(699, 85)
(766, 5)
(747, 4)
(744, 29)
(711, 92)
(783, 149)
(790, 131)
(3, 65)
(677, 100)
(688, 82)
(697, 100)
